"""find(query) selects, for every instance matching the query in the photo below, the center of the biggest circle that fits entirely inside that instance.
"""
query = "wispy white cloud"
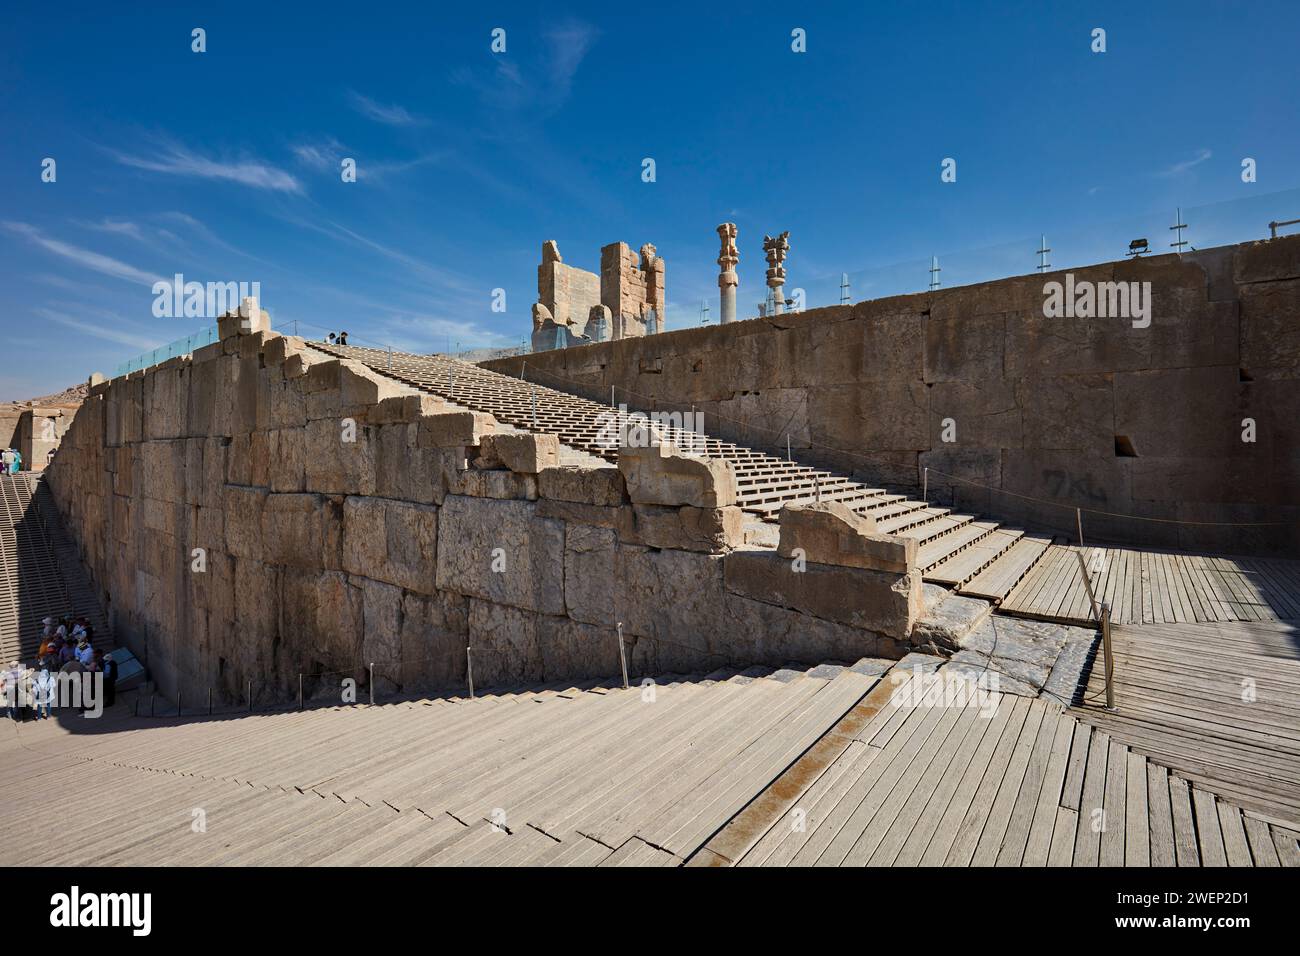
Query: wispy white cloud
(530, 94)
(1177, 168)
(110, 332)
(119, 227)
(176, 160)
(84, 257)
(322, 155)
(393, 115)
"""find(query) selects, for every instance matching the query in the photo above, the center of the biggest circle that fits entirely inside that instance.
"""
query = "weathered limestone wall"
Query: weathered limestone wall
(258, 510)
(1091, 413)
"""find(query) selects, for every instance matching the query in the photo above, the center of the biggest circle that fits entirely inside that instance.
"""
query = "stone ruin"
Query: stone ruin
(573, 307)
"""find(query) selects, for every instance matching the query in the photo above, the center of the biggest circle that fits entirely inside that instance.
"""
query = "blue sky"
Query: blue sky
(224, 166)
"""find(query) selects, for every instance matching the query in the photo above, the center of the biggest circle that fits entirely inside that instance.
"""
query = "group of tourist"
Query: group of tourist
(12, 461)
(340, 339)
(66, 647)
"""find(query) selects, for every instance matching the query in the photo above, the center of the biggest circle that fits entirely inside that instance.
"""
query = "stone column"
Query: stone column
(728, 257)
(776, 251)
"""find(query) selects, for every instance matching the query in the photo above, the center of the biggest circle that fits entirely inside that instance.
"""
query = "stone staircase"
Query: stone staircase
(40, 571)
(962, 552)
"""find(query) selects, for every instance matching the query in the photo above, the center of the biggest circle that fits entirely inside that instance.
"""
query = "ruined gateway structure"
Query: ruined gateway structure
(574, 306)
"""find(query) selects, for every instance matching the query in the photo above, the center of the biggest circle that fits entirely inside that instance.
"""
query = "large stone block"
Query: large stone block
(982, 413)
(711, 530)
(1074, 412)
(1189, 412)
(338, 457)
(592, 486)
(391, 541)
(298, 530)
(454, 429)
(1268, 261)
(381, 642)
(1270, 327)
(435, 631)
(243, 508)
(162, 470)
(965, 347)
(406, 409)
(501, 551)
(831, 533)
(881, 601)
(662, 475)
(877, 415)
(527, 453)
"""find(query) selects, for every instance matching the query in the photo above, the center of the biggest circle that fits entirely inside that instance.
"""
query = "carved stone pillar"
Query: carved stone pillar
(728, 257)
(776, 251)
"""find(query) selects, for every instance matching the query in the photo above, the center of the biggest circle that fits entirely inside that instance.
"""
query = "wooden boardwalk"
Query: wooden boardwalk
(564, 776)
(1218, 703)
(1007, 781)
(1157, 587)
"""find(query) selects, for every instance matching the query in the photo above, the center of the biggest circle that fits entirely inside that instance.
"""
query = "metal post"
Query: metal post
(622, 655)
(153, 704)
(925, 483)
(250, 696)
(611, 396)
(372, 671)
(1109, 658)
(469, 671)
(817, 488)
(178, 703)
(788, 456)
(1078, 518)
(209, 701)
(300, 691)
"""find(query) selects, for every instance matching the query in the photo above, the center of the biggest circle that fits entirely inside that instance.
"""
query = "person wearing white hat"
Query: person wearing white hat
(10, 679)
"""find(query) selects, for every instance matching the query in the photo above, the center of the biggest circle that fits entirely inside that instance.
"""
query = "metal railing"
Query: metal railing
(183, 346)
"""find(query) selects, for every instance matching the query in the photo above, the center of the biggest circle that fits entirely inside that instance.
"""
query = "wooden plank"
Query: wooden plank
(1234, 835)
(1262, 850)
(1063, 837)
(1137, 825)
(1288, 849)
(1210, 836)
(1087, 845)
(1185, 843)
(1113, 821)
(1163, 852)
(1072, 788)
(1043, 827)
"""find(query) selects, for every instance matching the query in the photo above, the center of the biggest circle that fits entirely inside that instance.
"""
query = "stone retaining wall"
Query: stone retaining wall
(259, 510)
(1081, 412)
